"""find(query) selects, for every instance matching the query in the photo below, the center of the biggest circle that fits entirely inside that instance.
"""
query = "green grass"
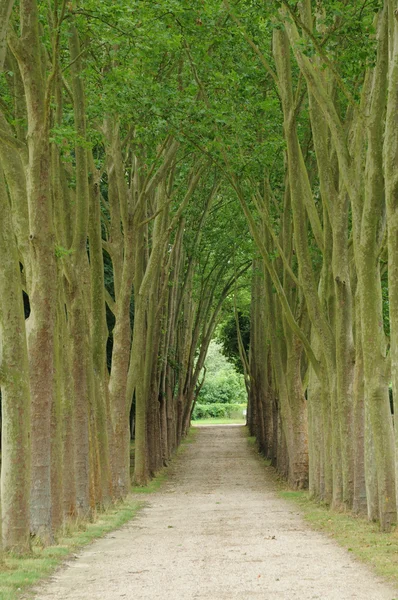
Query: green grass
(153, 485)
(356, 534)
(218, 421)
(21, 573)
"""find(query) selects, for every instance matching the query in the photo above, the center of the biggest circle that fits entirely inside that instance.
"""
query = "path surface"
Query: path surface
(216, 531)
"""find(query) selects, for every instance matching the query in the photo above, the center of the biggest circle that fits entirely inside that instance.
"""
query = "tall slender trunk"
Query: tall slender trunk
(99, 335)
(14, 382)
(42, 269)
(391, 181)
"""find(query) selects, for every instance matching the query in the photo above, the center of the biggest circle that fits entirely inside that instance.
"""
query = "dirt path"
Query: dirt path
(216, 531)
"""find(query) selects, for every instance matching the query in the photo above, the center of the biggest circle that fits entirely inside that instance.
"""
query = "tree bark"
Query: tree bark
(14, 382)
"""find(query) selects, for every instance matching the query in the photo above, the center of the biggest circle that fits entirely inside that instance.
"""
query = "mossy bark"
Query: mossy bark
(14, 382)
(391, 182)
(42, 269)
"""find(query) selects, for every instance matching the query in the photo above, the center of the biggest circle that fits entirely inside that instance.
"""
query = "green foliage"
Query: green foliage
(223, 384)
(220, 421)
(386, 303)
(224, 388)
(61, 252)
(214, 411)
(228, 337)
(66, 138)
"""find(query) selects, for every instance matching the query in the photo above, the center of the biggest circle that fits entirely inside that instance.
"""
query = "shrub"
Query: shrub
(218, 410)
(227, 387)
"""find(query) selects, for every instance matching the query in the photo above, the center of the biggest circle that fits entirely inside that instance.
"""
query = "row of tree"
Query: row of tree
(110, 285)
(324, 294)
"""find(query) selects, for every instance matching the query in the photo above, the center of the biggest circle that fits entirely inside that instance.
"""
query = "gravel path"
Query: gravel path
(216, 530)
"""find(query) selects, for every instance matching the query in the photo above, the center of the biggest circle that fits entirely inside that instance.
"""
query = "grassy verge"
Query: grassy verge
(218, 421)
(163, 474)
(356, 534)
(21, 573)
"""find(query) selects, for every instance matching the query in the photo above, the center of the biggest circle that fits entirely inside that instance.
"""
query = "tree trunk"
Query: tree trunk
(14, 382)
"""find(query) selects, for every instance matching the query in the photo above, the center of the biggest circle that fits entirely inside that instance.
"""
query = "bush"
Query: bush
(224, 388)
(218, 411)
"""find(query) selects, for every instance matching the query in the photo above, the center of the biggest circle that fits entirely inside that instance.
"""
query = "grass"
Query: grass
(21, 573)
(358, 535)
(163, 474)
(218, 421)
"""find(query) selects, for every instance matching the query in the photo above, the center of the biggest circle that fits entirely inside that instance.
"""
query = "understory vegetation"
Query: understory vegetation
(176, 171)
(223, 393)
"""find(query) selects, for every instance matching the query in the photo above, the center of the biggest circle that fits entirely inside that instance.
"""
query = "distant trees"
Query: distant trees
(222, 389)
(228, 335)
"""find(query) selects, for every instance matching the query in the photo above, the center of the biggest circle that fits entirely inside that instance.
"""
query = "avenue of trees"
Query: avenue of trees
(159, 161)
(324, 289)
(106, 250)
